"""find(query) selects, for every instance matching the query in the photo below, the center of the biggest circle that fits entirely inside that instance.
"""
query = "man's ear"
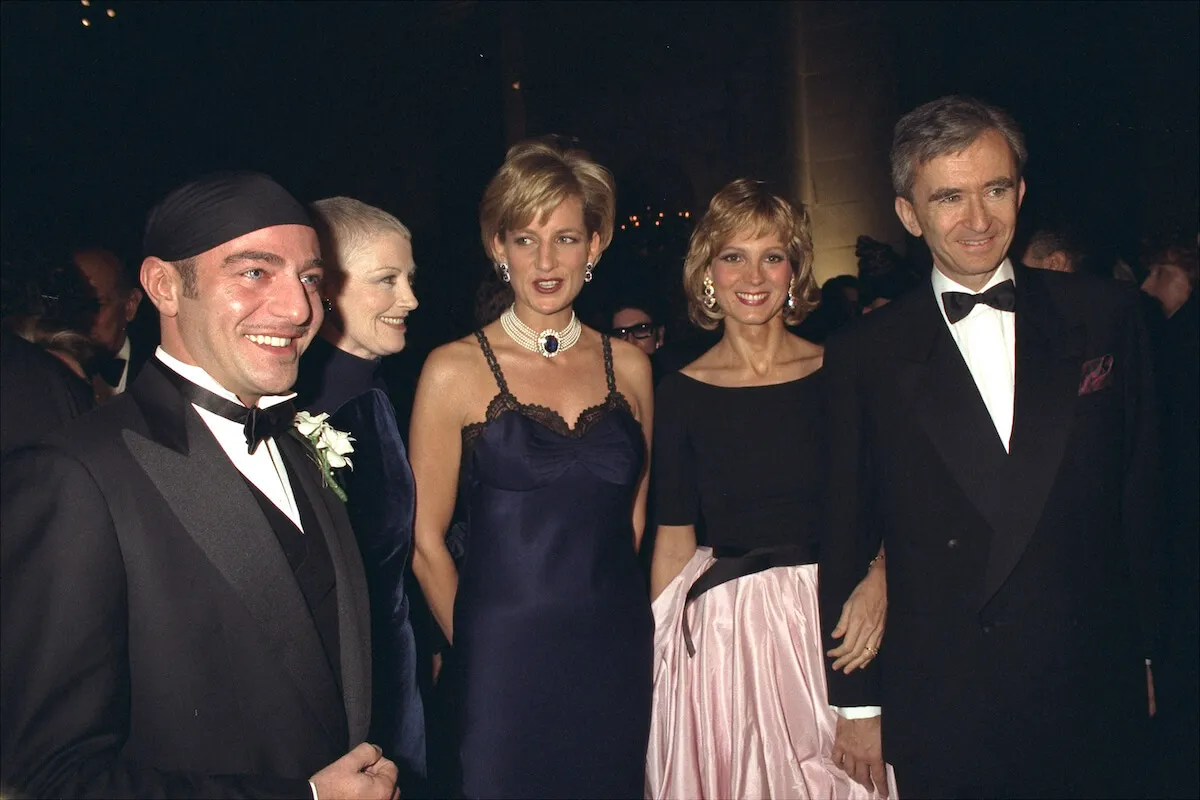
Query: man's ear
(908, 216)
(1020, 192)
(164, 285)
(132, 301)
(1057, 261)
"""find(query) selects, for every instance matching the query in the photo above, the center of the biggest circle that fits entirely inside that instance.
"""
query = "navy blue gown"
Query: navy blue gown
(552, 626)
(380, 496)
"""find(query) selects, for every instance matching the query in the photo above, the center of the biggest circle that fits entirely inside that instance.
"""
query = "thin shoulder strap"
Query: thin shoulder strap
(609, 375)
(491, 359)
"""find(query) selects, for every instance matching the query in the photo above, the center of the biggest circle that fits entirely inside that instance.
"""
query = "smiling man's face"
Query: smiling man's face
(965, 206)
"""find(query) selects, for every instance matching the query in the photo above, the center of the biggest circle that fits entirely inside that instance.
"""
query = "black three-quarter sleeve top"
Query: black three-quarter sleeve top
(745, 464)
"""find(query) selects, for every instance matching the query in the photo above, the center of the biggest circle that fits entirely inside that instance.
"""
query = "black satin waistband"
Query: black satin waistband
(734, 563)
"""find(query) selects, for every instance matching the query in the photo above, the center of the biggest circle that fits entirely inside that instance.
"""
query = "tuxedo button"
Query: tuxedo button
(953, 543)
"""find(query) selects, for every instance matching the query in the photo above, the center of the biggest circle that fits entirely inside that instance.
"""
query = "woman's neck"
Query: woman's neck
(757, 349)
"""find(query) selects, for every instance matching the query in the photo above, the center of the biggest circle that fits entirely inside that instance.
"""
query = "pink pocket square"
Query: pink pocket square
(1097, 374)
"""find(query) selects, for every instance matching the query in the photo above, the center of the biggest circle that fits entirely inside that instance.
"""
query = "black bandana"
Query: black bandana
(215, 209)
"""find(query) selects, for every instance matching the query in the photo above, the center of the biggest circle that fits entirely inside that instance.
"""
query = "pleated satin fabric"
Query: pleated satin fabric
(748, 715)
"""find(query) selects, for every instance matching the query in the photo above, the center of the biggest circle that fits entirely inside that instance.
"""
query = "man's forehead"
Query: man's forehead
(633, 313)
(289, 242)
(988, 151)
(100, 267)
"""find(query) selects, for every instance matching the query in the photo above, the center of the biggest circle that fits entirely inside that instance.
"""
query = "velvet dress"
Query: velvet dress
(380, 504)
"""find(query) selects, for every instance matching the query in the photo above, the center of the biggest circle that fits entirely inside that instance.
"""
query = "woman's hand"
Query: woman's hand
(862, 622)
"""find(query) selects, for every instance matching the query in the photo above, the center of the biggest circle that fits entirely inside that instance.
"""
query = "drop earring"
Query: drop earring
(504, 276)
(326, 304)
(791, 298)
(710, 294)
(587, 273)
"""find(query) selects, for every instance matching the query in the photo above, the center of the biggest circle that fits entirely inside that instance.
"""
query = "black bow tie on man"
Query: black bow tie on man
(958, 305)
(260, 423)
(111, 370)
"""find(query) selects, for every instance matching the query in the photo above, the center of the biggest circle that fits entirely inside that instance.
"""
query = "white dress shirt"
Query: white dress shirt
(265, 467)
(986, 337)
(124, 352)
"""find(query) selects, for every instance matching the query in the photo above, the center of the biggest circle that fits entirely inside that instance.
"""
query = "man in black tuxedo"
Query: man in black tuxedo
(122, 355)
(184, 607)
(996, 432)
(38, 392)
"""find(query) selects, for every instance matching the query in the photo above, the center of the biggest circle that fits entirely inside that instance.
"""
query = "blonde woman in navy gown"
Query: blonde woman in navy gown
(549, 422)
(740, 708)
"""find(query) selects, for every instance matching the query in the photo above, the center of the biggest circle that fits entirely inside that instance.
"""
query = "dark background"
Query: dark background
(410, 106)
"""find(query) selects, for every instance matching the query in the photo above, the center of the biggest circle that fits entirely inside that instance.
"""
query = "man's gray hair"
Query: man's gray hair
(944, 126)
(344, 225)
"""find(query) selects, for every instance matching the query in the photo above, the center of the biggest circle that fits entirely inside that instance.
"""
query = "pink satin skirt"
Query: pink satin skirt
(747, 716)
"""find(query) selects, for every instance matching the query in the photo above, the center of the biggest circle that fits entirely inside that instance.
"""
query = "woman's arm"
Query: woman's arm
(863, 616)
(674, 546)
(636, 382)
(435, 450)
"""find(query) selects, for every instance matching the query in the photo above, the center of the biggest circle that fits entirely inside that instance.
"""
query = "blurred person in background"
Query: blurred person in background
(883, 275)
(43, 381)
(1171, 270)
(119, 357)
(1054, 248)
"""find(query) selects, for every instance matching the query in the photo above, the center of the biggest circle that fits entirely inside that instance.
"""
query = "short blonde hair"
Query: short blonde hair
(743, 204)
(345, 225)
(539, 174)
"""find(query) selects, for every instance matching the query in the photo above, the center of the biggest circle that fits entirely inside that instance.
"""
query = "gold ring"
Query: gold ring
(872, 651)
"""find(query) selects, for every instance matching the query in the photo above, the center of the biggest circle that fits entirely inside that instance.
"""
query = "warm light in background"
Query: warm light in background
(516, 85)
(87, 23)
(111, 13)
(85, 3)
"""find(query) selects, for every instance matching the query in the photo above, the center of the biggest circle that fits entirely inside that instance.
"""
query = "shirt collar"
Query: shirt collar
(198, 376)
(941, 283)
(125, 350)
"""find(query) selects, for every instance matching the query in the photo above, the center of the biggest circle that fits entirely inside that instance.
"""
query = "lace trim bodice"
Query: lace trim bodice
(505, 401)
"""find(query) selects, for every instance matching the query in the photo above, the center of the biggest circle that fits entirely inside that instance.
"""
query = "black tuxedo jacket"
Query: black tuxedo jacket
(38, 393)
(1022, 588)
(155, 642)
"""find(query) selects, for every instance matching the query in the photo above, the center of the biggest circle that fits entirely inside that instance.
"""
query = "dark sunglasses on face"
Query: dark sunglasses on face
(643, 330)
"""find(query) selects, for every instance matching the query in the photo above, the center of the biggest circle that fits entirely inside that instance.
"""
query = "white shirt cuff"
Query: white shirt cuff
(313, 786)
(857, 712)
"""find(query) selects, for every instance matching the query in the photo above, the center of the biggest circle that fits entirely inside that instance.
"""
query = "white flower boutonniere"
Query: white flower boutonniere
(329, 447)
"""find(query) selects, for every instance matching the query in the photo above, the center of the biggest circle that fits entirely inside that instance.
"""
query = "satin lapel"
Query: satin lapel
(950, 409)
(210, 499)
(1049, 356)
(354, 629)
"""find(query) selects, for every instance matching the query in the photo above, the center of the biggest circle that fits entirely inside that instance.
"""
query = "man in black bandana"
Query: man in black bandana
(184, 607)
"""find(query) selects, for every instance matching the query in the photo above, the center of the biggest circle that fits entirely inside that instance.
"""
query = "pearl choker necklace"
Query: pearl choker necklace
(549, 342)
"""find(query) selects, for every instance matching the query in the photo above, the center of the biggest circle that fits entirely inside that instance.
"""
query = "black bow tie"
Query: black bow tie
(260, 424)
(1002, 296)
(111, 370)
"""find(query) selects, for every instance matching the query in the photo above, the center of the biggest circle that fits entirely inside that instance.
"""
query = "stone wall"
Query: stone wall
(843, 107)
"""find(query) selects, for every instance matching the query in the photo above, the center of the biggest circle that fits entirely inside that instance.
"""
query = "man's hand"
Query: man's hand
(858, 751)
(361, 774)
